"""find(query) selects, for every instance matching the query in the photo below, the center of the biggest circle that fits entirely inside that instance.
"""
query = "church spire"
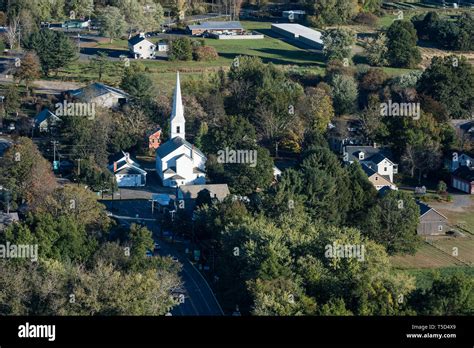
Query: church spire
(177, 122)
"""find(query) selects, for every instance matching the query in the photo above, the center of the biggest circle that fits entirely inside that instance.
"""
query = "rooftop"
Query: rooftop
(173, 144)
(219, 191)
(299, 30)
(464, 172)
(217, 25)
(94, 90)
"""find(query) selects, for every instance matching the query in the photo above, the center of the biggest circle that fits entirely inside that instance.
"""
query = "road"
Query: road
(199, 299)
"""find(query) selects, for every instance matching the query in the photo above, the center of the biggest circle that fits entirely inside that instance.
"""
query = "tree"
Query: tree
(79, 204)
(102, 289)
(371, 123)
(80, 8)
(401, 45)
(392, 222)
(112, 22)
(376, 50)
(12, 100)
(422, 157)
(450, 81)
(441, 188)
(145, 15)
(141, 241)
(12, 31)
(181, 49)
(331, 12)
(54, 49)
(26, 174)
(363, 194)
(180, 7)
(205, 53)
(448, 295)
(138, 85)
(99, 64)
(28, 70)
(344, 90)
(338, 43)
(316, 109)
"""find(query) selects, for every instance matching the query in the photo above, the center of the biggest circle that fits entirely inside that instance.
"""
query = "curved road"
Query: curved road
(199, 300)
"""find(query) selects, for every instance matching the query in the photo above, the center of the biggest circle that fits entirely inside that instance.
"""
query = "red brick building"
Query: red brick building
(154, 140)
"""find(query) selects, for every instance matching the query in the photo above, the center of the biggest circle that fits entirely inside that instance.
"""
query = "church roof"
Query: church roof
(173, 144)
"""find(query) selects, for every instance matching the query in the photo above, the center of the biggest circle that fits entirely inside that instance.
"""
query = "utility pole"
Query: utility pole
(54, 142)
(78, 170)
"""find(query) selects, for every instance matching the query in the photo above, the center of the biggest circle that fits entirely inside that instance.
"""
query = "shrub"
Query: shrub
(205, 53)
(366, 18)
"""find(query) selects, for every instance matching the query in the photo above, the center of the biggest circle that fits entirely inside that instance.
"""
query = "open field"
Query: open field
(424, 277)
(428, 256)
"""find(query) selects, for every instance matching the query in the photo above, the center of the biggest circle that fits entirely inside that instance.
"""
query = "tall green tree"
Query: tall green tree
(450, 81)
(338, 43)
(392, 222)
(402, 51)
(112, 22)
(54, 49)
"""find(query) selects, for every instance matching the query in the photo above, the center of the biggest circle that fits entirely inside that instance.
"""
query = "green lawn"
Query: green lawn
(424, 277)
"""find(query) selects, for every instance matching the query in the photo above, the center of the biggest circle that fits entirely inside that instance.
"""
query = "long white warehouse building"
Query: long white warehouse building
(300, 33)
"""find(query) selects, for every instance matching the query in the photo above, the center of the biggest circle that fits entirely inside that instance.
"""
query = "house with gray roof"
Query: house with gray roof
(102, 95)
(46, 120)
(186, 195)
(6, 219)
(373, 157)
(4, 145)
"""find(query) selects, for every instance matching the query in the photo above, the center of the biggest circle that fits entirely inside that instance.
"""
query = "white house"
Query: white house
(177, 161)
(141, 48)
(373, 158)
(102, 95)
(127, 172)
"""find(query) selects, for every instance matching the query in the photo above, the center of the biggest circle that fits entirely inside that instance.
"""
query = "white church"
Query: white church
(177, 161)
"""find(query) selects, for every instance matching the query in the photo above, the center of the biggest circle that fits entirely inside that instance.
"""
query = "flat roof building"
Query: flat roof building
(216, 27)
(300, 33)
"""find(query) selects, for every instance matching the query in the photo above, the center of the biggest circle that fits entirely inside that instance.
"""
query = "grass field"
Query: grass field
(427, 256)
(424, 277)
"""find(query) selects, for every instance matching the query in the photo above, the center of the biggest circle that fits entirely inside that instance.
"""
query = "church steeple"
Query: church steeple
(177, 122)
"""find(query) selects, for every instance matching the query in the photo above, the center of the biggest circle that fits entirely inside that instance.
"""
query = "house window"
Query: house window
(440, 228)
(140, 47)
(376, 178)
(178, 129)
(384, 169)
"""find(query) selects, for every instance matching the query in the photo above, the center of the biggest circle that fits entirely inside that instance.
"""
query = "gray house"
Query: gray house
(432, 222)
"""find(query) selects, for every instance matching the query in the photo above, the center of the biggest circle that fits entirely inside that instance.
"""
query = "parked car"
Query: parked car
(157, 246)
(149, 253)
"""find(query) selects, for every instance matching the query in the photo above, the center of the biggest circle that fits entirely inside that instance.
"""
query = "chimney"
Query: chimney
(142, 35)
(115, 167)
(375, 145)
(192, 152)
